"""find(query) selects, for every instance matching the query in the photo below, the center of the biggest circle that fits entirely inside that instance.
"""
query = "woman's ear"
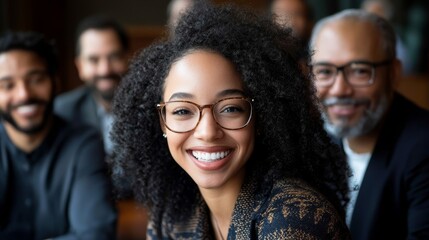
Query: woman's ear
(163, 128)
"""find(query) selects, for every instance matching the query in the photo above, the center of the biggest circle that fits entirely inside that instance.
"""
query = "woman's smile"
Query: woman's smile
(212, 155)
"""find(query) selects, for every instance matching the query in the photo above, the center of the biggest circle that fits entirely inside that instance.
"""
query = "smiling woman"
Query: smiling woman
(237, 148)
(206, 77)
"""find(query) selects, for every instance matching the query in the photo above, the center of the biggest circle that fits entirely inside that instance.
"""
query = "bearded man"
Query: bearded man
(53, 178)
(101, 47)
(384, 136)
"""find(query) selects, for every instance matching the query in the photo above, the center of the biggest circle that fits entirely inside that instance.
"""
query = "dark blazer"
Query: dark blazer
(393, 201)
(78, 106)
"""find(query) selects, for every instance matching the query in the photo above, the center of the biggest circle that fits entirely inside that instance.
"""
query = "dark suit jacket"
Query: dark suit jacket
(78, 106)
(393, 201)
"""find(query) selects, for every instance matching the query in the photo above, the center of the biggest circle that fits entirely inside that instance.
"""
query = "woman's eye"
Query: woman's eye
(231, 109)
(182, 112)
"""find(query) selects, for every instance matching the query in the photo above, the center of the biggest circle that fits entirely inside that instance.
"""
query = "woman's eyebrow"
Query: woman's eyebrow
(229, 92)
(224, 93)
(181, 95)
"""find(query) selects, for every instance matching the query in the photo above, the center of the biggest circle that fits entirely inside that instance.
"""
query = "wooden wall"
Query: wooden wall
(416, 88)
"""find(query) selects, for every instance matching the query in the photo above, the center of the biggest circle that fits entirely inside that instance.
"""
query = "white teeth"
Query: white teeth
(27, 109)
(209, 157)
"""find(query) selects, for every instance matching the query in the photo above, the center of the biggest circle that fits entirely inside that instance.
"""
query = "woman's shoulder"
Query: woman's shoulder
(295, 210)
(297, 193)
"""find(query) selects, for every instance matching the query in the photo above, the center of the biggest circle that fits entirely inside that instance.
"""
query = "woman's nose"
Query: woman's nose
(207, 128)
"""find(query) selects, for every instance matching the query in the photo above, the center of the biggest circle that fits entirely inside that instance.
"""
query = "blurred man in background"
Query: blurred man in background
(53, 178)
(101, 47)
(384, 135)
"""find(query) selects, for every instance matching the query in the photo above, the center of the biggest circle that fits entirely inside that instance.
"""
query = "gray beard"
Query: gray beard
(365, 124)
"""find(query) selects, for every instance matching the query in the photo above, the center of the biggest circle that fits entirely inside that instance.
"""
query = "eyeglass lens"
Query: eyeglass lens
(358, 74)
(183, 116)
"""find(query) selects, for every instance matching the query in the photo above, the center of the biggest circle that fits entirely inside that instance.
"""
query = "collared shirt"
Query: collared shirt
(59, 189)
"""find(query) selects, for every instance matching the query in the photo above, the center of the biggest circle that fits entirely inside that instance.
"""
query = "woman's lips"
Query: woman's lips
(210, 160)
(210, 156)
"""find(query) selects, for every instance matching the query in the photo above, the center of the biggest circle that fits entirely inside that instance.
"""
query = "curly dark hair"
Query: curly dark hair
(290, 140)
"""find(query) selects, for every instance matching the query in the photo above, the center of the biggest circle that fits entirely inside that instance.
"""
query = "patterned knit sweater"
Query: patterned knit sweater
(291, 209)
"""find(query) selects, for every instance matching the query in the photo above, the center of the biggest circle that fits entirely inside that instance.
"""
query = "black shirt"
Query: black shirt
(61, 189)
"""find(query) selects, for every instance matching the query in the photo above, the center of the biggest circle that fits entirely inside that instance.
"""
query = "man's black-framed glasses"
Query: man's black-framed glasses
(231, 113)
(357, 74)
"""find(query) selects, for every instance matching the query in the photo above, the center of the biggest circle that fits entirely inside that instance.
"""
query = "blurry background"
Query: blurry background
(145, 21)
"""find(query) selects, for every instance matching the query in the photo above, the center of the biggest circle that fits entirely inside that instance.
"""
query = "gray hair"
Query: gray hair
(386, 31)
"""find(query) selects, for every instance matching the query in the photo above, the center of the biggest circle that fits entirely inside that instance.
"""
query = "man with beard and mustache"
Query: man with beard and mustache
(384, 136)
(101, 46)
(53, 178)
